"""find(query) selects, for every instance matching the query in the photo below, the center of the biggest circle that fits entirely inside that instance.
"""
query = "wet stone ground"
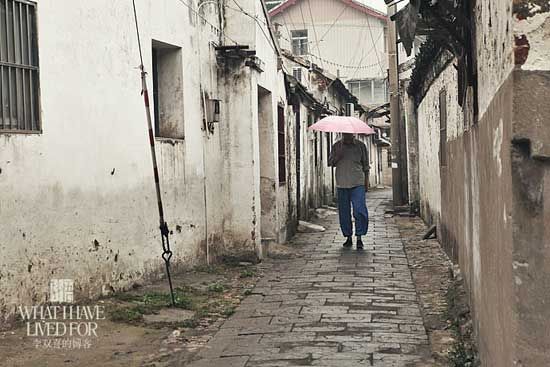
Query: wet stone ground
(313, 303)
(330, 307)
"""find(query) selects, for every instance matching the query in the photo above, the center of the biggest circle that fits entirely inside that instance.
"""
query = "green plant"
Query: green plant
(228, 311)
(216, 287)
(130, 314)
(248, 273)
(460, 356)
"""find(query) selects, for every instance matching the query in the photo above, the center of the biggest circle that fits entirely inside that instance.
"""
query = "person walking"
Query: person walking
(351, 159)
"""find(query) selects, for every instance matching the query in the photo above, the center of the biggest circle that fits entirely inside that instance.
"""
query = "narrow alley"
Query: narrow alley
(331, 307)
(178, 178)
(315, 304)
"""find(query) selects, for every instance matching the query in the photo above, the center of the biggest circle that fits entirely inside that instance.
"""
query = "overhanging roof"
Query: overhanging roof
(380, 111)
(351, 3)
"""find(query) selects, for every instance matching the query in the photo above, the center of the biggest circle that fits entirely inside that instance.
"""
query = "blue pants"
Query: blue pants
(356, 197)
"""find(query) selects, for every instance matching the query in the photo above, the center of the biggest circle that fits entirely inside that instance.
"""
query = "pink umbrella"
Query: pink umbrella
(342, 124)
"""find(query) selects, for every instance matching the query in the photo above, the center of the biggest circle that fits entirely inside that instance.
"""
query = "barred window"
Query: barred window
(19, 92)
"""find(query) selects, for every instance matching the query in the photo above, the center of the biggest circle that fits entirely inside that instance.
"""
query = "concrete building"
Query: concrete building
(78, 196)
(346, 38)
(483, 165)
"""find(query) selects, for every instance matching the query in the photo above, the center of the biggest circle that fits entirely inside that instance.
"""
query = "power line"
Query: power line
(333, 23)
(305, 26)
(269, 40)
(375, 50)
(218, 31)
(351, 61)
(314, 30)
(364, 56)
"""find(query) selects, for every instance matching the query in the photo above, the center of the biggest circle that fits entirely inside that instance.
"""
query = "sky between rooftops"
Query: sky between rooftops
(381, 5)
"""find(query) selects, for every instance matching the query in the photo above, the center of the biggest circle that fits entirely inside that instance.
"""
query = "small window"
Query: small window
(281, 144)
(297, 73)
(443, 128)
(19, 89)
(300, 42)
(379, 91)
(168, 90)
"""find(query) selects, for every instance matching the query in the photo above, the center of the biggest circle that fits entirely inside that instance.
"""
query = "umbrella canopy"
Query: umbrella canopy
(342, 124)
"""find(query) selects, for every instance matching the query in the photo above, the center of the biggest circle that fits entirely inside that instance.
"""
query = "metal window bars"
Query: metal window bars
(19, 93)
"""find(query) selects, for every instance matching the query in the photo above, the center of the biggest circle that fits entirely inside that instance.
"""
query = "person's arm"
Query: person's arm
(365, 164)
(335, 155)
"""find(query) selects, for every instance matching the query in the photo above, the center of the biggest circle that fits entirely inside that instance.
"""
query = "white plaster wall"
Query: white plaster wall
(494, 48)
(242, 220)
(78, 200)
(429, 138)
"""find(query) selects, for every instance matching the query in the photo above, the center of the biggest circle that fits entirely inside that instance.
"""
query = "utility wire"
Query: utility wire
(305, 26)
(269, 40)
(364, 56)
(219, 31)
(333, 23)
(352, 60)
(314, 31)
(375, 50)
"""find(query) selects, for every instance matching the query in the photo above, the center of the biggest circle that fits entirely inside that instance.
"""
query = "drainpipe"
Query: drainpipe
(203, 100)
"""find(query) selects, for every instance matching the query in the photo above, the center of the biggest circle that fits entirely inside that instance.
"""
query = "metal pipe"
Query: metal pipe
(167, 253)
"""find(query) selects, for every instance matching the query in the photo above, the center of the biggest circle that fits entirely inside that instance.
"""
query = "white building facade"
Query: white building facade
(344, 37)
(78, 197)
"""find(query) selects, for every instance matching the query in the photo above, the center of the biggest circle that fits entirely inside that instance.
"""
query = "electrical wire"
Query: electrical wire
(352, 60)
(314, 31)
(333, 23)
(218, 31)
(255, 18)
(375, 50)
(305, 27)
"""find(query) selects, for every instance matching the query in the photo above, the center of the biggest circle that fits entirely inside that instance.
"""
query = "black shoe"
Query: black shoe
(348, 243)
(359, 244)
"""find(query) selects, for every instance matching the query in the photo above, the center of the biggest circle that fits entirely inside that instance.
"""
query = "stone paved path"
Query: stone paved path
(331, 307)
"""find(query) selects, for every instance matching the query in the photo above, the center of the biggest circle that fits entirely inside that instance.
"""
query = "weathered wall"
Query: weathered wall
(531, 216)
(78, 200)
(531, 182)
(473, 223)
(476, 183)
(428, 118)
(495, 216)
(494, 42)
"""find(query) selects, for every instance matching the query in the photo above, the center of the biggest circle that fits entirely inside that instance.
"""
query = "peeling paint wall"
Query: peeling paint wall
(78, 200)
(428, 118)
(494, 42)
(531, 24)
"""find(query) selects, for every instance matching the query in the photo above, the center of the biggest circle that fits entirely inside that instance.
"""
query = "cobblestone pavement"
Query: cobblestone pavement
(330, 307)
